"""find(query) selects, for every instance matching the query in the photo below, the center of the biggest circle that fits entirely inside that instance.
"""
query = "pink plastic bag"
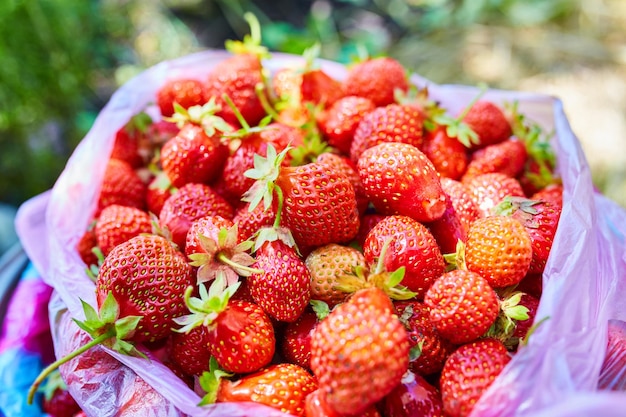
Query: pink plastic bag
(554, 375)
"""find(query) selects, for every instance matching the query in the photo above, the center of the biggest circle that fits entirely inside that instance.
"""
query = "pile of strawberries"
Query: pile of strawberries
(324, 247)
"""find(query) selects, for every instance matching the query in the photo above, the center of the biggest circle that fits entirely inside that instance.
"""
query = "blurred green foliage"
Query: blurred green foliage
(62, 59)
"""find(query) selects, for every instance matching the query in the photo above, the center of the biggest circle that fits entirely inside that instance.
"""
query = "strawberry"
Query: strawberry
(404, 172)
(121, 185)
(282, 386)
(359, 352)
(487, 190)
(368, 221)
(316, 406)
(523, 326)
(431, 349)
(341, 120)
(117, 224)
(240, 335)
(377, 79)
(296, 340)
(464, 205)
(448, 155)
(552, 193)
(499, 249)
(326, 264)
(146, 264)
(414, 396)
(449, 229)
(489, 122)
(462, 305)
(189, 203)
(344, 165)
(58, 402)
(85, 246)
(250, 221)
(612, 373)
(316, 203)
(126, 145)
(283, 285)
(531, 284)
(392, 123)
(463, 385)
(540, 220)
(186, 92)
(507, 157)
(160, 188)
(411, 246)
(190, 351)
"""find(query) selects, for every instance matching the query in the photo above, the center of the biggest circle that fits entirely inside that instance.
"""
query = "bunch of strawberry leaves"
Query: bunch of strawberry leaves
(323, 246)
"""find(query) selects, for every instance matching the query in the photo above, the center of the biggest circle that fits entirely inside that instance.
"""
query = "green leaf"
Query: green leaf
(90, 313)
(126, 326)
(110, 309)
(396, 276)
(320, 308)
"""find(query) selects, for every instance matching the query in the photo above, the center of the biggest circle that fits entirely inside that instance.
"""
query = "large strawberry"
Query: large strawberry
(316, 203)
(463, 385)
(399, 179)
(282, 287)
(462, 305)
(341, 120)
(116, 224)
(377, 79)
(359, 352)
(499, 249)
(392, 123)
(413, 397)
(343, 164)
(410, 245)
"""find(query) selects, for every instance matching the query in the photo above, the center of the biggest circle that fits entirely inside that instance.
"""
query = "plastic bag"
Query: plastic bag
(584, 276)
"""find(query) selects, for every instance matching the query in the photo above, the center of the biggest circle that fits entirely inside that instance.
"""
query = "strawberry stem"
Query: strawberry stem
(222, 257)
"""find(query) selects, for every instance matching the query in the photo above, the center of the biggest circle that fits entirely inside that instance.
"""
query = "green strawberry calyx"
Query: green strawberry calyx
(511, 311)
(251, 43)
(210, 382)
(106, 328)
(203, 115)
(523, 209)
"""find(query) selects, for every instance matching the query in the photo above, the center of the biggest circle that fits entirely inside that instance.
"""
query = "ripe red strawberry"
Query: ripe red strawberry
(464, 205)
(368, 221)
(186, 92)
(316, 203)
(404, 172)
(146, 264)
(462, 305)
(296, 339)
(392, 123)
(282, 386)
(463, 385)
(531, 284)
(189, 203)
(359, 352)
(523, 326)
(190, 351)
(344, 164)
(316, 406)
(449, 229)
(552, 193)
(499, 249)
(424, 338)
(121, 185)
(126, 145)
(240, 335)
(117, 224)
(160, 188)
(57, 401)
(487, 190)
(340, 121)
(85, 246)
(250, 221)
(489, 122)
(377, 79)
(411, 246)
(507, 157)
(414, 396)
(283, 287)
(326, 264)
(540, 220)
(448, 155)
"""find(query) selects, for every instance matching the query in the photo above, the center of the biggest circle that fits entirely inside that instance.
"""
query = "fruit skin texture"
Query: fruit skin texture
(462, 305)
(296, 340)
(414, 396)
(499, 249)
(507, 157)
(468, 372)
(146, 264)
(412, 246)
(282, 386)
(448, 155)
(186, 92)
(190, 351)
(117, 224)
(487, 190)
(377, 79)
(359, 352)
(121, 185)
(283, 289)
(399, 179)
(489, 122)
(341, 120)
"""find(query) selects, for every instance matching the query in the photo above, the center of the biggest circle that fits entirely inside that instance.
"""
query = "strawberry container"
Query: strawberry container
(556, 374)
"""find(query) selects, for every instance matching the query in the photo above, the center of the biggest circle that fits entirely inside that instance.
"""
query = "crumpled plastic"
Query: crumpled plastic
(554, 375)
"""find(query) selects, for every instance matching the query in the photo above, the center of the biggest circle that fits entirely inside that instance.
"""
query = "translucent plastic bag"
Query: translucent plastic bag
(584, 277)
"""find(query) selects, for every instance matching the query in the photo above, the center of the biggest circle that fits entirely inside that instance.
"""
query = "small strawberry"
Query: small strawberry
(489, 122)
(186, 92)
(249, 222)
(449, 229)
(499, 249)
(57, 401)
(117, 224)
(326, 264)
(404, 172)
(283, 386)
(283, 285)
(392, 123)
(414, 396)
(189, 203)
(462, 305)
(487, 190)
(552, 193)
(377, 79)
(160, 188)
(240, 335)
(411, 246)
(507, 157)
(296, 339)
(190, 351)
(463, 385)
(464, 205)
(359, 352)
(128, 138)
(85, 246)
(121, 185)
(340, 121)
(316, 406)
(531, 284)
(522, 327)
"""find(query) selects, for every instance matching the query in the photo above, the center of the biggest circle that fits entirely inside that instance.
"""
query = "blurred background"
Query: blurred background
(61, 60)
